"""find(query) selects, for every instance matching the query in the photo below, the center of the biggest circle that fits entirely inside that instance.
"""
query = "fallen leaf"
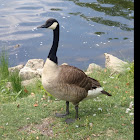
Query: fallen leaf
(43, 99)
(132, 122)
(128, 84)
(32, 94)
(35, 105)
(18, 106)
(94, 135)
(132, 97)
(25, 90)
(123, 124)
(105, 70)
(91, 125)
(116, 87)
(45, 105)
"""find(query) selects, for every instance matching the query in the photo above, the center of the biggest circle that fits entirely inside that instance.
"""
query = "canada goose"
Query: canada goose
(66, 82)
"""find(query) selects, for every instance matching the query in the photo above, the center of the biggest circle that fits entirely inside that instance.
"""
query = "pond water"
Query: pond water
(88, 29)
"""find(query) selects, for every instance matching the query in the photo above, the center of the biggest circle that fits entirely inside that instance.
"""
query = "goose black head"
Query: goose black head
(50, 23)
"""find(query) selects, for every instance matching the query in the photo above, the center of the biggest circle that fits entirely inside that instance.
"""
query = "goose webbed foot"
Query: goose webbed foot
(61, 115)
(69, 120)
(67, 111)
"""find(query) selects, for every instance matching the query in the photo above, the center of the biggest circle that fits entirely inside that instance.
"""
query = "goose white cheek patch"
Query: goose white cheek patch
(53, 26)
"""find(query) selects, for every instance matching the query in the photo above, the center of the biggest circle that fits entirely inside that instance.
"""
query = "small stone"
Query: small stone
(100, 109)
(131, 114)
(16, 68)
(131, 105)
(94, 115)
(127, 110)
(76, 126)
(91, 124)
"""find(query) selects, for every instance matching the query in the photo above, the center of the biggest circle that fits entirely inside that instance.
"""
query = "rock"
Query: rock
(29, 82)
(28, 73)
(9, 85)
(64, 64)
(115, 64)
(40, 71)
(16, 68)
(35, 64)
(32, 69)
(92, 67)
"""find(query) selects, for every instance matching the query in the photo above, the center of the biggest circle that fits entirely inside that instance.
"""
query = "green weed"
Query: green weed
(15, 81)
(4, 73)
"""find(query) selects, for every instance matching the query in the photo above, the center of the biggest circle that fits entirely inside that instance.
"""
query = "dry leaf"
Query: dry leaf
(116, 87)
(43, 99)
(25, 90)
(132, 97)
(127, 84)
(105, 70)
(35, 105)
(123, 124)
(32, 94)
(45, 105)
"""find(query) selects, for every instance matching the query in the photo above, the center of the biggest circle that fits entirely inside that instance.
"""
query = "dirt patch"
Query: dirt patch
(111, 132)
(45, 128)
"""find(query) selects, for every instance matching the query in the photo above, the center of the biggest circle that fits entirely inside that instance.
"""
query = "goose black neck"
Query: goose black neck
(52, 54)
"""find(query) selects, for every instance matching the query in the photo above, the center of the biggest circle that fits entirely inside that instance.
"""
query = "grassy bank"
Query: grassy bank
(30, 115)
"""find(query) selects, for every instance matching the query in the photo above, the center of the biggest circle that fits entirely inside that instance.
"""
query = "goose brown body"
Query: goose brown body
(67, 82)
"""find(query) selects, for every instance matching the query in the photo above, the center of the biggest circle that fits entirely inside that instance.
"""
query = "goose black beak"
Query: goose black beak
(42, 26)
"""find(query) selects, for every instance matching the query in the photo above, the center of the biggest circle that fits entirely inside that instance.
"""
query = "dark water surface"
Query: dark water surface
(88, 29)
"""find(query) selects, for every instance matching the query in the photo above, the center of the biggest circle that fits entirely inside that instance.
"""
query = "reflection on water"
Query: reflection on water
(121, 8)
(88, 29)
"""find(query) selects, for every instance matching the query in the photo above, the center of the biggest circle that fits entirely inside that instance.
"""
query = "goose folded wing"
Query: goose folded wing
(72, 75)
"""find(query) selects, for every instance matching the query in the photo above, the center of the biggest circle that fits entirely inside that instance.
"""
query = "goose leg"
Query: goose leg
(69, 120)
(67, 108)
(76, 109)
(67, 111)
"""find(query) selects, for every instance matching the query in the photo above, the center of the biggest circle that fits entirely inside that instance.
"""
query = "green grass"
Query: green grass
(4, 73)
(100, 118)
(15, 81)
(9, 92)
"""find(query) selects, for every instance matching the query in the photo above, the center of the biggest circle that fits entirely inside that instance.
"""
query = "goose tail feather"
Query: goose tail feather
(104, 92)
